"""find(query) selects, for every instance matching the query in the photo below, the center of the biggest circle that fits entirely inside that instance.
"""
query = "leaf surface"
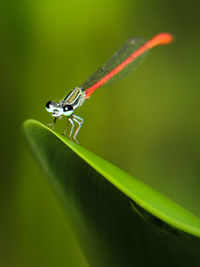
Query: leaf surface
(118, 220)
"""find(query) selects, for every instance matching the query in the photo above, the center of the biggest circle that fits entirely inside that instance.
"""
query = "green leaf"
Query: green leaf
(118, 220)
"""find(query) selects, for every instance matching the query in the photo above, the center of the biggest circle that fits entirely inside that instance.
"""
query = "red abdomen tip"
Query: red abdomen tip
(165, 38)
(160, 39)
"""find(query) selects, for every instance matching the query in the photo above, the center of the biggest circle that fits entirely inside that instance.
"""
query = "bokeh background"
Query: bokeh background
(147, 124)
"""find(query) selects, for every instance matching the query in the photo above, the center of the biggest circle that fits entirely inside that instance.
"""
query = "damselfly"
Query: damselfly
(124, 60)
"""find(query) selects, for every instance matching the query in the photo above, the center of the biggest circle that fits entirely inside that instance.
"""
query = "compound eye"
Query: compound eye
(67, 110)
(49, 107)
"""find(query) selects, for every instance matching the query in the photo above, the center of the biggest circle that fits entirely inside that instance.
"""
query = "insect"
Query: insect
(123, 61)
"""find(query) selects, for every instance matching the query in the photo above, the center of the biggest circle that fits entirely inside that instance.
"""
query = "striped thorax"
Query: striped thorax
(75, 98)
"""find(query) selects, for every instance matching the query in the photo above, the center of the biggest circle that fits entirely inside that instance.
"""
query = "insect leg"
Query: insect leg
(76, 119)
(52, 124)
(72, 129)
(64, 133)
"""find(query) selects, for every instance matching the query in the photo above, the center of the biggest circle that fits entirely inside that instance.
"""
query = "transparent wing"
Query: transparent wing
(128, 48)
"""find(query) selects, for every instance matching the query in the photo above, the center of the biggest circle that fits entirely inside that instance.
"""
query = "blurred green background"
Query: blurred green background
(147, 124)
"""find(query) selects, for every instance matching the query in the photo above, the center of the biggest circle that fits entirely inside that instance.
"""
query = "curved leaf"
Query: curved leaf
(118, 220)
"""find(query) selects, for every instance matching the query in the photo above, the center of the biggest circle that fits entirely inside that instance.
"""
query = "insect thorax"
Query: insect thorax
(75, 98)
